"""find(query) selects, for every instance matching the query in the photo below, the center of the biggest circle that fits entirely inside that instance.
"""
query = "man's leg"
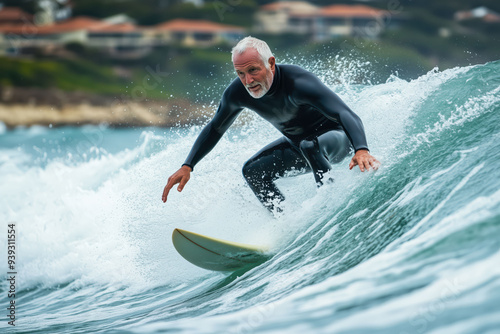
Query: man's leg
(269, 164)
(324, 150)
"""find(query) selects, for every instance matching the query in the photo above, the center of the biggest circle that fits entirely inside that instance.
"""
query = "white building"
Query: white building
(319, 23)
(286, 17)
(197, 32)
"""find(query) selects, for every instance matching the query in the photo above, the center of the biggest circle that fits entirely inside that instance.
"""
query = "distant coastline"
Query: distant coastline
(53, 107)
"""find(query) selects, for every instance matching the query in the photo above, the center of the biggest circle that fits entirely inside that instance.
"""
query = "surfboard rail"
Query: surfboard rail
(217, 254)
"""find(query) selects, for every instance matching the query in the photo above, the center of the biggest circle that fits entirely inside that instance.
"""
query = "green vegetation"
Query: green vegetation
(65, 74)
(194, 73)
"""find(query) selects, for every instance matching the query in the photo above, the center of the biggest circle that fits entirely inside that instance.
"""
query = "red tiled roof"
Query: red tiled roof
(196, 25)
(491, 17)
(19, 29)
(483, 13)
(299, 5)
(77, 23)
(14, 14)
(350, 11)
(96, 26)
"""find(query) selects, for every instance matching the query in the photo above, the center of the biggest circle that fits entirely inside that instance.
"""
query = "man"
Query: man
(318, 128)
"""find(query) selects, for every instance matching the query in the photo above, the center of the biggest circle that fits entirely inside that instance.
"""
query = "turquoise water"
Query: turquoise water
(411, 248)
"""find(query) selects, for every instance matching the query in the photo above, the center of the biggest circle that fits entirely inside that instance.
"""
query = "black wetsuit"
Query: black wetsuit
(318, 129)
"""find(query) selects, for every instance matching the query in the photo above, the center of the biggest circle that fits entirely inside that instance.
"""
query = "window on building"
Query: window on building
(203, 36)
(335, 21)
(179, 36)
(362, 22)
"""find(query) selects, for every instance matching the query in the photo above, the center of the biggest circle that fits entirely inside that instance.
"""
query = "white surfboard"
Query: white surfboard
(217, 254)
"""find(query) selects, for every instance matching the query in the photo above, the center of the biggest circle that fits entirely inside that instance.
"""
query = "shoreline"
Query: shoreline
(54, 108)
(118, 115)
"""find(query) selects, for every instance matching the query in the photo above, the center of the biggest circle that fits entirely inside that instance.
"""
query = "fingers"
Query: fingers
(181, 177)
(183, 182)
(364, 163)
(353, 163)
(374, 163)
(171, 182)
(361, 166)
(165, 194)
(166, 190)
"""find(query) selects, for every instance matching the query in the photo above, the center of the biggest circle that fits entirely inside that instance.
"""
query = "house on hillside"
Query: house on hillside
(480, 13)
(120, 40)
(344, 20)
(286, 17)
(14, 25)
(320, 23)
(198, 33)
(14, 16)
(124, 40)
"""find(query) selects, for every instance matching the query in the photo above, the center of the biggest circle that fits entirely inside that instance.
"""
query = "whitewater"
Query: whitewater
(413, 247)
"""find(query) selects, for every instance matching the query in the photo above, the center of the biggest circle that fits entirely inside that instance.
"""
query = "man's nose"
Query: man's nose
(248, 79)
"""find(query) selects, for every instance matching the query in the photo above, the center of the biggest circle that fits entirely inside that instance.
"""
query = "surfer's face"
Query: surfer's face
(253, 73)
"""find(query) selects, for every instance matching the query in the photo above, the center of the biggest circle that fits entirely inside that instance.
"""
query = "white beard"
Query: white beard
(257, 95)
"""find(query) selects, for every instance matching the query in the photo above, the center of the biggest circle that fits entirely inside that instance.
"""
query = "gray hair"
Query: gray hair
(251, 42)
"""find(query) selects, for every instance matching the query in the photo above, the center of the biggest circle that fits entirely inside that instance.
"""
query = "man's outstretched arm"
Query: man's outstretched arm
(206, 141)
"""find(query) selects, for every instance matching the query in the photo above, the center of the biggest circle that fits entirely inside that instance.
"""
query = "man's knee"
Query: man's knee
(314, 155)
(335, 145)
(308, 147)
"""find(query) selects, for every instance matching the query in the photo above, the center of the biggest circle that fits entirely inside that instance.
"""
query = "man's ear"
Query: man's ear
(272, 63)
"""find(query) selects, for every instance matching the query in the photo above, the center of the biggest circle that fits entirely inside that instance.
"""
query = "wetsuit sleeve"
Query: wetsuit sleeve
(213, 131)
(310, 90)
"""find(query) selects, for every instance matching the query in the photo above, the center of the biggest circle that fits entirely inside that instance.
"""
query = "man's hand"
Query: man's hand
(364, 160)
(181, 177)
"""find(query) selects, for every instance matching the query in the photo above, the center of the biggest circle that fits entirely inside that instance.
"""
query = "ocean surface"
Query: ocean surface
(411, 248)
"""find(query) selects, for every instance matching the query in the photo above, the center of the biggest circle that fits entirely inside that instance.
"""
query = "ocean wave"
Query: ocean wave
(419, 233)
